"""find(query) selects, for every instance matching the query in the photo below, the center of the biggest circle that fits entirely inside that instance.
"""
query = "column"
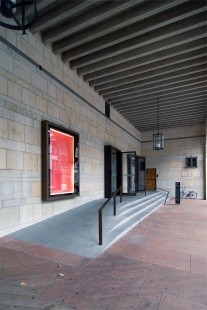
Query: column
(206, 163)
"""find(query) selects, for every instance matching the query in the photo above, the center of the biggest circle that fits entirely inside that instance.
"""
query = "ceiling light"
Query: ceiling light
(158, 138)
(14, 12)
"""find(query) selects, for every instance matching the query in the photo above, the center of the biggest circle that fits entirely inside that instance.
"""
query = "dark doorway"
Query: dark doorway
(140, 174)
(112, 170)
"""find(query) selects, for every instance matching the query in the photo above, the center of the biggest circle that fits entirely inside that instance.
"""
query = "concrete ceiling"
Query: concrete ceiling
(133, 52)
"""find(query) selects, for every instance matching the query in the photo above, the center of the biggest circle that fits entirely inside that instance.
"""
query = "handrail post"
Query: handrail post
(121, 195)
(100, 211)
(164, 191)
(115, 205)
(100, 226)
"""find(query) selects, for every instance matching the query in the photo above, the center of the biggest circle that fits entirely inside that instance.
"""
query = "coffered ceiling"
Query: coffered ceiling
(133, 52)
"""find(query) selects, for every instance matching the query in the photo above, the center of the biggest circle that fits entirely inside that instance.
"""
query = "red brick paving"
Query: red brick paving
(159, 265)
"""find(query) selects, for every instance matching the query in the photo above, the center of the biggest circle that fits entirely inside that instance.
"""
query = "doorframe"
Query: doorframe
(155, 179)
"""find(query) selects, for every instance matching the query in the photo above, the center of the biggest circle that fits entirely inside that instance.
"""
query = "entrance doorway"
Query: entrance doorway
(151, 179)
(140, 174)
(112, 169)
(123, 168)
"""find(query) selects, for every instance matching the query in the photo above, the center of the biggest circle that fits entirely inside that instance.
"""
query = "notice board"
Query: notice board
(60, 165)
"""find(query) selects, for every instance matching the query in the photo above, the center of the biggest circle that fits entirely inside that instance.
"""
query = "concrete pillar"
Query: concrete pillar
(206, 163)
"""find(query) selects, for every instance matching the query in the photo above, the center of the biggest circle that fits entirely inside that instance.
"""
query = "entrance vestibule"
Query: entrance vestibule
(123, 168)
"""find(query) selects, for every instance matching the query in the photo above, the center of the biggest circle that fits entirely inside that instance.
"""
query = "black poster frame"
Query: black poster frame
(46, 196)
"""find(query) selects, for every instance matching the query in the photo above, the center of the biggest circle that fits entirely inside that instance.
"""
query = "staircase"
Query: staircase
(129, 215)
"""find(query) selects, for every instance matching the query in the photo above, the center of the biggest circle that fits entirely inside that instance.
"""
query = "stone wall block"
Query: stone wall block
(25, 214)
(47, 209)
(38, 82)
(16, 131)
(3, 85)
(57, 73)
(41, 104)
(22, 189)
(30, 161)
(14, 160)
(4, 128)
(10, 203)
(37, 211)
(53, 110)
(31, 135)
(9, 217)
(35, 55)
(6, 62)
(21, 71)
(51, 90)
(2, 158)
(22, 44)
(14, 91)
(28, 97)
(36, 189)
(6, 190)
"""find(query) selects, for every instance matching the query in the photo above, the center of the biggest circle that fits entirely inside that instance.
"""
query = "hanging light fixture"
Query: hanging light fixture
(158, 138)
(13, 14)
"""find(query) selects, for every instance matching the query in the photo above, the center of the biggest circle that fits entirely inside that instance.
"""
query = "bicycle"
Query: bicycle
(188, 194)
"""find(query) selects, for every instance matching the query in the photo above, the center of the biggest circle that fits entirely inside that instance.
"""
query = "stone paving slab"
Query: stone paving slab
(161, 264)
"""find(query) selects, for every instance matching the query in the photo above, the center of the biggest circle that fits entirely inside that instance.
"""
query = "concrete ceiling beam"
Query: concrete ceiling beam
(143, 25)
(159, 83)
(120, 50)
(173, 69)
(100, 12)
(159, 92)
(158, 46)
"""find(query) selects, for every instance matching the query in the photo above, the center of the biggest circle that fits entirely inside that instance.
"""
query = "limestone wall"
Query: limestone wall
(36, 85)
(170, 162)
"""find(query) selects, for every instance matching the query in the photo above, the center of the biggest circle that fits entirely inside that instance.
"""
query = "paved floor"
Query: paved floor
(161, 264)
(76, 231)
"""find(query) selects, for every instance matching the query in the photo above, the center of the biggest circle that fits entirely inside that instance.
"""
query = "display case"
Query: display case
(60, 162)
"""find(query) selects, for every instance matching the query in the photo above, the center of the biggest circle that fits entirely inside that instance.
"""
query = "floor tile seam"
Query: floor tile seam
(147, 275)
(11, 248)
(74, 267)
(159, 264)
(199, 257)
(31, 254)
(153, 247)
(158, 306)
(24, 288)
(39, 255)
(177, 295)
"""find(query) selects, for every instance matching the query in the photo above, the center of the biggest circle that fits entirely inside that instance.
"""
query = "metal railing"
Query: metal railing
(113, 195)
(164, 191)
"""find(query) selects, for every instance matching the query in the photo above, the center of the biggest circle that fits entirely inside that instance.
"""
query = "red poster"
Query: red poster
(61, 163)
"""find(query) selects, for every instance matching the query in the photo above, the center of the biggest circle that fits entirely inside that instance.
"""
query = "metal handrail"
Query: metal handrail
(164, 191)
(113, 195)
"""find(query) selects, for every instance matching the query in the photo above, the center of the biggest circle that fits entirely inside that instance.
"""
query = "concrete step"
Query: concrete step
(131, 214)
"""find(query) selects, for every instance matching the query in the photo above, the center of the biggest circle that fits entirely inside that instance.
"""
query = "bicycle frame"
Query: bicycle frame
(187, 193)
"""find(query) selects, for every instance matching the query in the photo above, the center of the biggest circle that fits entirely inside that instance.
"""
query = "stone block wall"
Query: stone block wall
(36, 85)
(170, 162)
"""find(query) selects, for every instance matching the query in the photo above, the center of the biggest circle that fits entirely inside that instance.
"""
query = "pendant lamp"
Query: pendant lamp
(158, 138)
(13, 14)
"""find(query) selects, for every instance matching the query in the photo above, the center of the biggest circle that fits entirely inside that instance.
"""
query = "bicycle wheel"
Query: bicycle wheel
(181, 194)
(193, 195)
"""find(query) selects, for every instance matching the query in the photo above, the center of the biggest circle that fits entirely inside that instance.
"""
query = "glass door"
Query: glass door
(129, 173)
(113, 170)
(140, 174)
